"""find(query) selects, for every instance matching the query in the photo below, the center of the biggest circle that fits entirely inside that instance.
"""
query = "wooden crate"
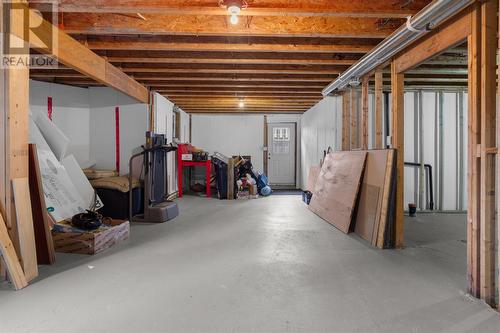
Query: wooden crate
(91, 242)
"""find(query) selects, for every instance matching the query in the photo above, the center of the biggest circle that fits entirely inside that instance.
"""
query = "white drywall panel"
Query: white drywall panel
(133, 126)
(230, 135)
(70, 113)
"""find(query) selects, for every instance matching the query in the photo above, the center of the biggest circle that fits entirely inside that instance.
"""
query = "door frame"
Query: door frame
(266, 150)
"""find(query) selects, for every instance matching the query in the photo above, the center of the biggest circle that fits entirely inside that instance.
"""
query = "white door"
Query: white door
(281, 153)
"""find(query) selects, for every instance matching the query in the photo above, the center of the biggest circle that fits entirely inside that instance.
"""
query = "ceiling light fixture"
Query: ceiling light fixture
(241, 104)
(233, 7)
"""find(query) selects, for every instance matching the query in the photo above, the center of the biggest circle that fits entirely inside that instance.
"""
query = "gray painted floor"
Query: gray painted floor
(267, 265)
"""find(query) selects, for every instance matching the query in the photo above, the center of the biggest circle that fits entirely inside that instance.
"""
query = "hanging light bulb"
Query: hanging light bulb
(234, 19)
(234, 8)
(241, 104)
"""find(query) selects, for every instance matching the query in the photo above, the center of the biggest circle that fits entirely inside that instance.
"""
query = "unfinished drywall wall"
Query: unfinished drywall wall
(231, 135)
(321, 127)
(133, 117)
(435, 133)
(70, 112)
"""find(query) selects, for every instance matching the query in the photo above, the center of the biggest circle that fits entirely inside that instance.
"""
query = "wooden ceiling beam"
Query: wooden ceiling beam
(158, 60)
(269, 85)
(243, 111)
(247, 95)
(206, 25)
(322, 8)
(36, 75)
(156, 44)
(230, 71)
(75, 55)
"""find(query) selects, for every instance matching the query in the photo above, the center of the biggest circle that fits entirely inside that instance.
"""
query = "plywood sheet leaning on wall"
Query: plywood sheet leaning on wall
(374, 204)
(312, 177)
(337, 187)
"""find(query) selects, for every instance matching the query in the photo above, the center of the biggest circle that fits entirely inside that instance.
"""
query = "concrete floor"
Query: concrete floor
(267, 265)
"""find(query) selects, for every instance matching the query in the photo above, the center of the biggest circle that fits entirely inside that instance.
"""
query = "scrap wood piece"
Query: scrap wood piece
(337, 188)
(10, 258)
(367, 211)
(45, 252)
(312, 177)
(387, 204)
(24, 225)
(373, 203)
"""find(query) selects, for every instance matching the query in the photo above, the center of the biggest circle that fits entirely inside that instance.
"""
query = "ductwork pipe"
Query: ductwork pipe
(421, 23)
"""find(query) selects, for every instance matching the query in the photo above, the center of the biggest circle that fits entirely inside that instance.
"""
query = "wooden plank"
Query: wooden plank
(398, 144)
(10, 258)
(44, 245)
(354, 118)
(230, 179)
(380, 229)
(378, 110)
(451, 33)
(346, 116)
(337, 188)
(164, 24)
(489, 10)
(370, 199)
(262, 8)
(474, 161)
(364, 112)
(24, 218)
(75, 55)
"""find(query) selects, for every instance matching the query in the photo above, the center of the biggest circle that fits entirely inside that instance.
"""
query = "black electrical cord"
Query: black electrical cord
(87, 221)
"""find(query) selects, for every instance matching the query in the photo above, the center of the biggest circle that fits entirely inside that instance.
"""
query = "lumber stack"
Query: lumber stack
(355, 192)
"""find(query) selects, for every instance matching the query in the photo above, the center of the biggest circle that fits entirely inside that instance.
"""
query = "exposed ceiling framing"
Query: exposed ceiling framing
(279, 56)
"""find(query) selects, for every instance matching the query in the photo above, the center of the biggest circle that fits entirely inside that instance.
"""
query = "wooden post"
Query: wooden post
(266, 147)
(354, 119)
(498, 173)
(230, 179)
(378, 109)
(397, 83)
(489, 11)
(364, 112)
(346, 107)
(474, 139)
(14, 167)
